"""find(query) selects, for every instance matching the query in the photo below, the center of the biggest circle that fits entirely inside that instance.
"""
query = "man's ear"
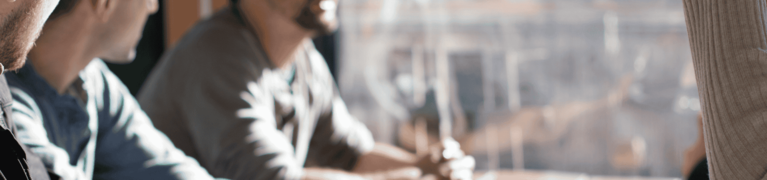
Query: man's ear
(103, 9)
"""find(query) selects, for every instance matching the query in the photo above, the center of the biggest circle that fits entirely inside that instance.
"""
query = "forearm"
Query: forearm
(384, 157)
(332, 174)
(728, 42)
(254, 151)
(321, 173)
(383, 162)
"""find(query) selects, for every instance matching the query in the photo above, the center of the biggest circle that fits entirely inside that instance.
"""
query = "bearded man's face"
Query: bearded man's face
(20, 24)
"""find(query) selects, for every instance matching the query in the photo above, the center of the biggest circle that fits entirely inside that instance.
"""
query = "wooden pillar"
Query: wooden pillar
(180, 15)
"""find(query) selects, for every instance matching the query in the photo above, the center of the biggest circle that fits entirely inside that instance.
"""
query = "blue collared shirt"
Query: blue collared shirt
(96, 130)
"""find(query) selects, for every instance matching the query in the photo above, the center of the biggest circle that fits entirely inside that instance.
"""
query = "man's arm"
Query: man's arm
(729, 48)
(250, 145)
(129, 146)
(385, 157)
(341, 141)
(405, 173)
(233, 127)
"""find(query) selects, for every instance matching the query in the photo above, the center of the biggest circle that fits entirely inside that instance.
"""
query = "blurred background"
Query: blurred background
(596, 87)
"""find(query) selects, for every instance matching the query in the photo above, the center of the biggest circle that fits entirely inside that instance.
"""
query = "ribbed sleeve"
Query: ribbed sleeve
(729, 50)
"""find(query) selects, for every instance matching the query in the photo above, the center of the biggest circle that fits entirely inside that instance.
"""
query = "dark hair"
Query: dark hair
(64, 7)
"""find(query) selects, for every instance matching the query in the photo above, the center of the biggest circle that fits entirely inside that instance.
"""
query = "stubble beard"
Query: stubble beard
(17, 35)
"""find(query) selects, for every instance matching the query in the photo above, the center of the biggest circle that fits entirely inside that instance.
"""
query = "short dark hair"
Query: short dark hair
(64, 7)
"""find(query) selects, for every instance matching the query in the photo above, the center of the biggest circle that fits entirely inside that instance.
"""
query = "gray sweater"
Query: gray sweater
(728, 39)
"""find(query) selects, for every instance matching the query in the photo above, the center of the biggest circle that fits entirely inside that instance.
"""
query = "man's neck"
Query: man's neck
(280, 36)
(61, 52)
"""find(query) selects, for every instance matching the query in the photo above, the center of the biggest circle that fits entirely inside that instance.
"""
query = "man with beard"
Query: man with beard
(20, 24)
(73, 112)
(248, 95)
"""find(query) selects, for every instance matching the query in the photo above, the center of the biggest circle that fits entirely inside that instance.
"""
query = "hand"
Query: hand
(695, 153)
(447, 161)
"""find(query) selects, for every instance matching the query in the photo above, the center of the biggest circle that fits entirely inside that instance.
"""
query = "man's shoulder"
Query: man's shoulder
(95, 70)
(220, 43)
(17, 78)
(316, 61)
(98, 78)
(217, 48)
(5, 93)
(5, 101)
(24, 93)
(220, 34)
(24, 82)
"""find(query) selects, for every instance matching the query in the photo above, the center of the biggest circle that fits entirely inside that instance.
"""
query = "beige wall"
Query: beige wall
(180, 15)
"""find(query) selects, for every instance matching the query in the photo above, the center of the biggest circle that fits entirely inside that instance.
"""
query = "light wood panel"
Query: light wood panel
(180, 15)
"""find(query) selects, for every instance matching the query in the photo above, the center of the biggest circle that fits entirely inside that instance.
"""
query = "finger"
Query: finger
(436, 154)
(464, 174)
(404, 173)
(429, 177)
(450, 143)
(462, 163)
(447, 149)
(254, 89)
(245, 113)
(466, 163)
(452, 153)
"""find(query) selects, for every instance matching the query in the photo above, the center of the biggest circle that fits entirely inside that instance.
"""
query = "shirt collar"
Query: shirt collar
(38, 84)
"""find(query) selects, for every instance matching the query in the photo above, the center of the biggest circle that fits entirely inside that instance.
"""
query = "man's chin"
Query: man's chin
(330, 27)
(12, 55)
(18, 33)
(15, 64)
(118, 61)
(123, 58)
(316, 22)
